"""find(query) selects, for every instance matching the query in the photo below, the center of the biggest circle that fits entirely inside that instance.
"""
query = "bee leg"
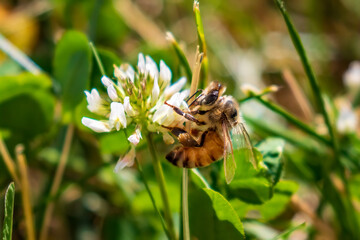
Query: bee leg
(185, 138)
(185, 115)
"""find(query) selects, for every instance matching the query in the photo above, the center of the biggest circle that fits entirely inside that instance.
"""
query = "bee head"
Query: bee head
(212, 93)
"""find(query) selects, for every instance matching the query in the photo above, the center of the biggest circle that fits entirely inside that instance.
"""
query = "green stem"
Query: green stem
(180, 54)
(202, 44)
(252, 96)
(161, 180)
(185, 204)
(302, 126)
(310, 74)
(307, 129)
(101, 67)
(152, 197)
(320, 101)
(18, 56)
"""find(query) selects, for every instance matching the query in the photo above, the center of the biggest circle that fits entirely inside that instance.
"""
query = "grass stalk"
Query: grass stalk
(180, 54)
(202, 44)
(26, 199)
(161, 181)
(310, 74)
(18, 56)
(9, 162)
(302, 126)
(185, 204)
(185, 175)
(320, 101)
(56, 182)
(152, 197)
(97, 58)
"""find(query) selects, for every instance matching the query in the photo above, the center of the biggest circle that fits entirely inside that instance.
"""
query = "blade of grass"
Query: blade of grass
(162, 185)
(309, 72)
(180, 54)
(9, 210)
(304, 127)
(9, 162)
(98, 60)
(201, 39)
(18, 56)
(320, 101)
(23, 60)
(185, 175)
(152, 198)
(26, 199)
(57, 181)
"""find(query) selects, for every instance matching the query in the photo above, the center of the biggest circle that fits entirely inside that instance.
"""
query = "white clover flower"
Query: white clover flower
(126, 161)
(95, 103)
(117, 116)
(135, 137)
(137, 97)
(347, 121)
(106, 81)
(95, 125)
(352, 76)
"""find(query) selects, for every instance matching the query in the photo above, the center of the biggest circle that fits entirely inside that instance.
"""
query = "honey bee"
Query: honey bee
(213, 118)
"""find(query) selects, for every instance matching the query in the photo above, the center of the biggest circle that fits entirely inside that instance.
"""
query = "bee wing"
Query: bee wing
(229, 158)
(241, 141)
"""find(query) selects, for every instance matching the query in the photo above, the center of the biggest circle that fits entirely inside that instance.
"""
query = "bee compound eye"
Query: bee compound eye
(211, 98)
(234, 114)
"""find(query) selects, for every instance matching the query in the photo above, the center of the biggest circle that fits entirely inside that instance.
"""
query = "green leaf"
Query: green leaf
(286, 234)
(9, 209)
(26, 99)
(256, 186)
(72, 65)
(271, 150)
(256, 190)
(272, 208)
(198, 178)
(212, 217)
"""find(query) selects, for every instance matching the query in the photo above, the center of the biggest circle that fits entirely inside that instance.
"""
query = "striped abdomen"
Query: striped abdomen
(211, 150)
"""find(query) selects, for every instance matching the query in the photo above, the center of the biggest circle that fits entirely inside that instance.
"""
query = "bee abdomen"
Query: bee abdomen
(191, 157)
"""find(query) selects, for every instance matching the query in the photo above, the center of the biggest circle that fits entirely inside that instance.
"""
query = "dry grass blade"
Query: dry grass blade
(26, 198)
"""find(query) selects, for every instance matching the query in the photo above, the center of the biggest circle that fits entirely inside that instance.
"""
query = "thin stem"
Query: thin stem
(9, 162)
(202, 44)
(26, 199)
(101, 67)
(185, 204)
(250, 97)
(152, 197)
(304, 127)
(185, 175)
(180, 54)
(57, 180)
(18, 56)
(321, 226)
(310, 74)
(161, 180)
